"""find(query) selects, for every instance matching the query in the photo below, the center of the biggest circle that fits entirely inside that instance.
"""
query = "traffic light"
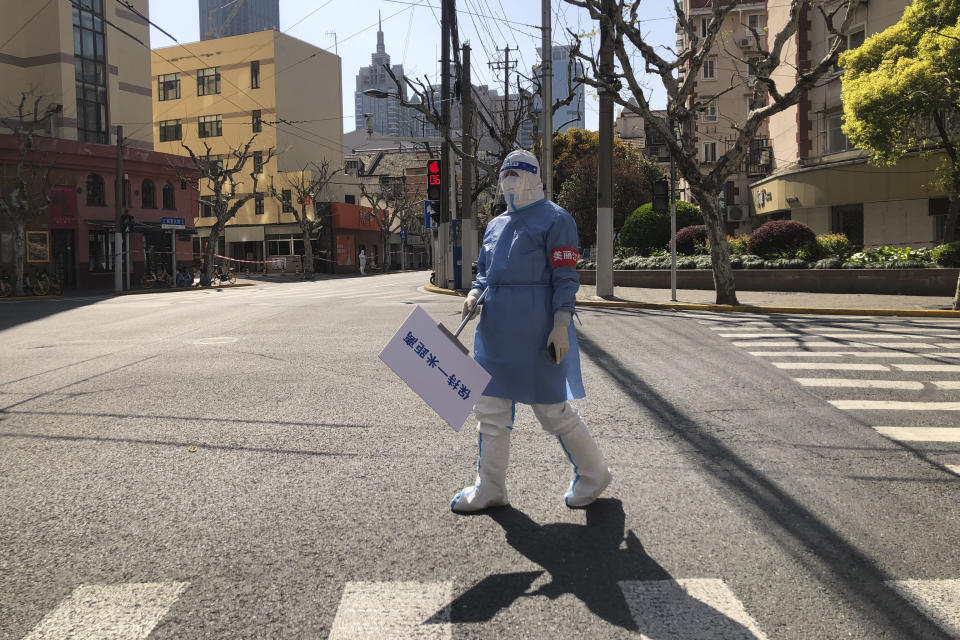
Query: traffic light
(126, 223)
(434, 181)
(661, 196)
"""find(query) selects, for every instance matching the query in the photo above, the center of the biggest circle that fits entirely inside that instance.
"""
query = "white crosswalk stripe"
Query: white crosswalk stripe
(835, 366)
(109, 612)
(836, 354)
(894, 405)
(920, 434)
(394, 611)
(688, 608)
(939, 600)
(835, 343)
(928, 367)
(860, 384)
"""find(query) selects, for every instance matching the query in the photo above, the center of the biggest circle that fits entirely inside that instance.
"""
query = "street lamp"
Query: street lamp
(378, 93)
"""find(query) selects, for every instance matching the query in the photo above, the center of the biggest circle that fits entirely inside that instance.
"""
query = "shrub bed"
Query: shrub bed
(781, 239)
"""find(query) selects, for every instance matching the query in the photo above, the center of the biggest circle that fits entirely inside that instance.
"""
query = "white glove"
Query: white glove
(469, 303)
(558, 336)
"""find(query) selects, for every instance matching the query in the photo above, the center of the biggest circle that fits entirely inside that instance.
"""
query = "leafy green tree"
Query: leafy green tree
(901, 93)
(573, 145)
(632, 185)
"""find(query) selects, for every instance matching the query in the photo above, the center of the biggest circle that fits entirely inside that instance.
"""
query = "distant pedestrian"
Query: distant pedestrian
(363, 262)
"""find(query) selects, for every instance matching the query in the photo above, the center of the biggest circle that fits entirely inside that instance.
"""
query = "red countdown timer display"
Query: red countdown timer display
(434, 181)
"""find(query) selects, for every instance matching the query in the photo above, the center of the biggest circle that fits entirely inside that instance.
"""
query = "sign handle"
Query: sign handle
(472, 311)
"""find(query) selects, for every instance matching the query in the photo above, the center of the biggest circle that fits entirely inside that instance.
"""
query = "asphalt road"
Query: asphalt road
(239, 464)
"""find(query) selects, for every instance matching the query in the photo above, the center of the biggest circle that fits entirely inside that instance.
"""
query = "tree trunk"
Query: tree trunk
(386, 251)
(19, 257)
(213, 241)
(719, 249)
(307, 250)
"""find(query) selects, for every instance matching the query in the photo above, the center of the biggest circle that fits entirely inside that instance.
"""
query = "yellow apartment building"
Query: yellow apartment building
(818, 178)
(725, 86)
(224, 91)
(73, 56)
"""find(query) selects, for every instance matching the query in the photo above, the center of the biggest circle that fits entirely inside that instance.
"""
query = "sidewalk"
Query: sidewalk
(766, 302)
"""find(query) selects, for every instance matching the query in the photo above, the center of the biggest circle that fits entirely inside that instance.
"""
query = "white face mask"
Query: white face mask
(520, 180)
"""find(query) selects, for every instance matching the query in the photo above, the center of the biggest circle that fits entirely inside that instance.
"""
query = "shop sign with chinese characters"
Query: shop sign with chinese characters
(431, 364)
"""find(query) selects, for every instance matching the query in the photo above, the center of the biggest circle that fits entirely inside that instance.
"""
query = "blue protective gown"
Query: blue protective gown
(524, 289)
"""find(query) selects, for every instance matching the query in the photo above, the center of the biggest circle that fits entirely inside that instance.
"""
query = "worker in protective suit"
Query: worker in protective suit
(525, 338)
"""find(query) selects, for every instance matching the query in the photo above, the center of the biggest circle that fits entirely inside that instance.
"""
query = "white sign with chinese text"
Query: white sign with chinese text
(447, 379)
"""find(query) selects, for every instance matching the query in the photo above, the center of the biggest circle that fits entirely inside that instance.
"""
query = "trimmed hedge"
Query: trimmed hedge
(947, 255)
(646, 231)
(692, 240)
(781, 238)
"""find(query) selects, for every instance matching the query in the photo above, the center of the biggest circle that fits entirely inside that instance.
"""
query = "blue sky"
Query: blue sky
(412, 33)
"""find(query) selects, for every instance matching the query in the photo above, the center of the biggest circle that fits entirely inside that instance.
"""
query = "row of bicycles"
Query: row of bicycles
(38, 283)
(163, 279)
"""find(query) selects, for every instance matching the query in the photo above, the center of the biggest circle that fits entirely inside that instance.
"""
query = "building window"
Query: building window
(709, 151)
(101, 251)
(171, 130)
(938, 209)
(257, 121)
(168, 86)
(287, 199)
(255, 74)
(168, 202)
(710, 69)
(258, 204)
(210, 126)
(148, 195)
(96, 194)
(836, 140)
(350, 199)
(710, 111)
(90, 72)
(755, 21)
(206, 210)
(852, 40)
(257, 162)
(214, 162)
(848, 220)
(704, 25)
(208, 81)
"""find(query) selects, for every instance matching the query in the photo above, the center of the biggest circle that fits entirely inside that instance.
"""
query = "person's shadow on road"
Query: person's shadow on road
(590, 561)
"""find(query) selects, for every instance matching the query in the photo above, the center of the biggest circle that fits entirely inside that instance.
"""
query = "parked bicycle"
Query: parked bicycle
(40, 283)
(158, 279)
(6, 289)
(222, 275)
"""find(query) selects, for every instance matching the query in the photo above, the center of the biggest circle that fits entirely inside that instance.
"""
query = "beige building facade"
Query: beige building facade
(225, 91)
(70, 56)
(819, 178)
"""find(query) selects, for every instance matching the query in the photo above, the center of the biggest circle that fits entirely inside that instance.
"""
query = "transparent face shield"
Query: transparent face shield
(520, 180)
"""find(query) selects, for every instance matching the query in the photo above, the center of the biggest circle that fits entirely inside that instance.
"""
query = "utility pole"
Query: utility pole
(443, 228)
(605, 160)
(505, 65)
(546, 97)
(469, 229)
(117, 215)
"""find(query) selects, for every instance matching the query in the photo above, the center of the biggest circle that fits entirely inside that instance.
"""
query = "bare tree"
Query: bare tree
(25, 195)
(224, 199)
(392, 208)
(311, 210)
(678, 75)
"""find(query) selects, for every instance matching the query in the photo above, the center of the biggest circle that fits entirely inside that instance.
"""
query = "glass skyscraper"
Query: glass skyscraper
(222, 18)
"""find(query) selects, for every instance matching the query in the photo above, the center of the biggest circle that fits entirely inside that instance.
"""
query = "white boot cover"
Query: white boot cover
(490, 489)
(590, 472)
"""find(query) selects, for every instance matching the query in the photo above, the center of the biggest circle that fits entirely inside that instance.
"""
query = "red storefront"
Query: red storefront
(74, 239)
(354, 228)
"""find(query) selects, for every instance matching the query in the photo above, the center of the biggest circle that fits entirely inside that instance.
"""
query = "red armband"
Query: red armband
(564, 257)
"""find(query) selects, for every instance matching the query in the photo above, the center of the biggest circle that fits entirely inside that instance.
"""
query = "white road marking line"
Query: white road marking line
(860, 384)
(835, 354)
(894, 405)
(955, 468)
(394, 611)
(949, 345)
(838, 343)
(920, 434)
(688, 608)
(837, 366)
(928, 367)
(109, 612)
(759, 335)
(946, 384)
(938, 599)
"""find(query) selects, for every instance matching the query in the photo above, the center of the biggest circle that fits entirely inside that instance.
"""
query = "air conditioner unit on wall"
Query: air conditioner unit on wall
(745, 43)
(737, 213)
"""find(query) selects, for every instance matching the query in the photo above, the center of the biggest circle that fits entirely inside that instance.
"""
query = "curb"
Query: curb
(133, 292)
(726, 308)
